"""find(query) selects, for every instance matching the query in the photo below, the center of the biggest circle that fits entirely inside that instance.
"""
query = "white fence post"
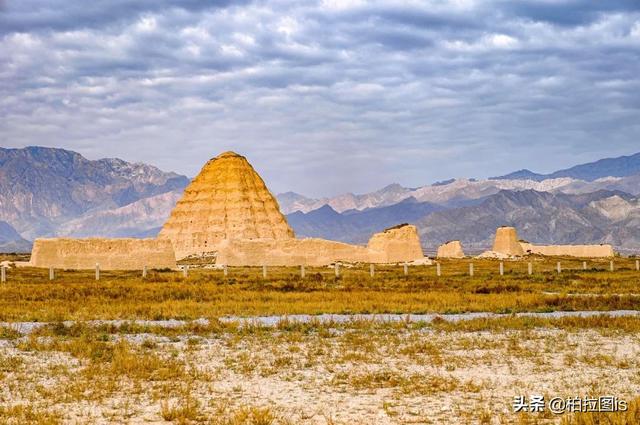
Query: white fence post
(264, 271)
(438, 269)
(611, 267)
(51, 273)
(584, 265)
(559, 267)
(337, 269)
(501, 268)
(471, 269)
(406, 269)
(638, 265)
(97, 271)
(144, 272)
(185, 271)
(530, 268)
(225, 270)
(3, 274)
(372, 270)
(302, 271)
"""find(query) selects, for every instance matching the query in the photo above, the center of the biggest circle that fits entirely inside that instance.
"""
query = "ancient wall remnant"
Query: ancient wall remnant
(319, 252)
(582, 251)
(451, 249)
(396, 244)
(111, 254)
(506, 242)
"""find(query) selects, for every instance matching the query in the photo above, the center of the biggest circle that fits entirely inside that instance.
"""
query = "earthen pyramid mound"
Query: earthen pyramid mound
(227, 201)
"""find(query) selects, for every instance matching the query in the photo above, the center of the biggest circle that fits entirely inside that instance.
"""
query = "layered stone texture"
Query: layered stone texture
(582, 251)
(226, 201)
(111, 254)
(506, 242)
(451, 249)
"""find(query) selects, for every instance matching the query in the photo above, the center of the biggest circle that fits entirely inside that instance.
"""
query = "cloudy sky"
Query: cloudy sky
(325, 96)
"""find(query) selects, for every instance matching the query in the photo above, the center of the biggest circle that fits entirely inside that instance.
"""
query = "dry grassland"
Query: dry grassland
(318, 373)
(75, 295)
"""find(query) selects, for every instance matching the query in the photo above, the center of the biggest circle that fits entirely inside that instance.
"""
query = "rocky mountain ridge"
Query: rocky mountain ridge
(543, 217)
(42, 189)
(55, 192)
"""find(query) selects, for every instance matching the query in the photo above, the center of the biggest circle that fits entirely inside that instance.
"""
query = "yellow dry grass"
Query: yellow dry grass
(75, 295)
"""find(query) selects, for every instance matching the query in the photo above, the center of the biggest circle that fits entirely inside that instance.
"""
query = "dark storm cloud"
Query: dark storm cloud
(329, 95)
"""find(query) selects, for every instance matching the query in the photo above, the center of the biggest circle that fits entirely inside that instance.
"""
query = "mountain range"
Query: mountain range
(55, 192)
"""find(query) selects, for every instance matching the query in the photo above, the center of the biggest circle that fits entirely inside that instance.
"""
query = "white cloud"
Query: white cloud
(376, 92)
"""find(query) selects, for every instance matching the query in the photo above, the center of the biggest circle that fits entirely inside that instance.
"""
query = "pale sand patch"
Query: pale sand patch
(368, 376)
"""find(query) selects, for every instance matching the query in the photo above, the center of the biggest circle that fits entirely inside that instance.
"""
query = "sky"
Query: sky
(325, 96)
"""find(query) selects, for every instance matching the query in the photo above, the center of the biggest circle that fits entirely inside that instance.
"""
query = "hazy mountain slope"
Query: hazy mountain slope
(452, 192)
(42, 188)
(622, 166)
(357, 226)
(11, 241)
(629, 184)
(142, 218)
(540, 217)
(621, 173)
(389, 195)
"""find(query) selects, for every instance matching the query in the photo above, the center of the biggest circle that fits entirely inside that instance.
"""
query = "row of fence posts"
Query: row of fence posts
(372, 272)
(405, 268)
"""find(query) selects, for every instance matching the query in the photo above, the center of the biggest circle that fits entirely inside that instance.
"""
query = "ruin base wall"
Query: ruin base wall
(582, 251)
(391, 246)
(111, 254)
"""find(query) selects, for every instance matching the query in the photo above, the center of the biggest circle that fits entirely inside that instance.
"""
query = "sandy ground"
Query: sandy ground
(353, 376)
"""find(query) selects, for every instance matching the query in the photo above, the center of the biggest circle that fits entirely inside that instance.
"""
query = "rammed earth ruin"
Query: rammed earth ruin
(228, 210)
(227, 213)
(507, 242)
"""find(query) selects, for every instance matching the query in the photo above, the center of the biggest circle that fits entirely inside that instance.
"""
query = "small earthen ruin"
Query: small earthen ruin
(451, 249)
(507, 244)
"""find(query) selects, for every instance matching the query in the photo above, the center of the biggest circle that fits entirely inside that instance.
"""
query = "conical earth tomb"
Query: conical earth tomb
(228, 213)
(228, 200)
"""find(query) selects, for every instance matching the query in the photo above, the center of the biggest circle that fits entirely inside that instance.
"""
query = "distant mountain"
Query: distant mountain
(621, 173)
(622, 166)
(56, 192)
(142, 218)
(355, 226)
(42, 189)
(523, 174)
(452, 192)
(540, 217)
(388, 195)
(11, 241)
